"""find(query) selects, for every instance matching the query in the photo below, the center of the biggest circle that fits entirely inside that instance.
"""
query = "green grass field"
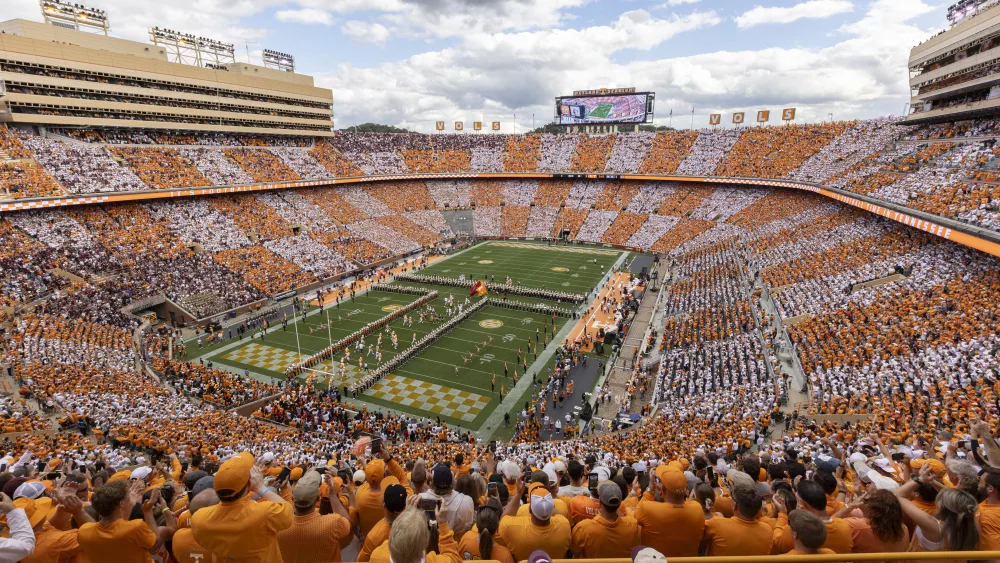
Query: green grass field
(601, 111)
(427, 385)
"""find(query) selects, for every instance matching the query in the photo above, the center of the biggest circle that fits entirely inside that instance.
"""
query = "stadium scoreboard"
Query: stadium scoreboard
(605, 106)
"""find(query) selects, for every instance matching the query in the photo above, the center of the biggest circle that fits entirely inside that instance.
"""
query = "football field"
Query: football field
(453, 378)
(601, 111)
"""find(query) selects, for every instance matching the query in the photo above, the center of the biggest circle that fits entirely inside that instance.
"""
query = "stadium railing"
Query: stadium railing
(832, 558)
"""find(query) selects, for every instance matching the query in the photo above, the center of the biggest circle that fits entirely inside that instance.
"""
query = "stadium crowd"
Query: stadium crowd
(895, 329)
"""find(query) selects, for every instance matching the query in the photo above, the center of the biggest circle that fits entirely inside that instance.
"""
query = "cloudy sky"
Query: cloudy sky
(413, 62)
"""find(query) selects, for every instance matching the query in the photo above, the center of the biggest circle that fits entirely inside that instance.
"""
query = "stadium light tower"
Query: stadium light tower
(188, 49)
(278, 60)
(74, 16)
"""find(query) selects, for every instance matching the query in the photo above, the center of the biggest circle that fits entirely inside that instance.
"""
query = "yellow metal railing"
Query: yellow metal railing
(834, 558)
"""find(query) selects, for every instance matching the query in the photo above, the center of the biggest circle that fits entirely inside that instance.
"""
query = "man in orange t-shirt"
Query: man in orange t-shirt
(183, 546)
(675, 525)
(808, 533)
(239, 528)
(608, 534)
(743, 534)
(114, 538)
(989, 511)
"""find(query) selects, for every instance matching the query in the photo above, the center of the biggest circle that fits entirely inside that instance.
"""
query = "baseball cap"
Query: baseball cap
(233, 475)
(205, 483)
(442, 476)
(827, 463)
(539, 556)
(885, 465)
(193, 477)
(268, 457)
(936, 465)
(643, 554)
(32, 490)
(673, 481)
(375, 471)
(611, 495)
(140, 472)
(31, 510)
(295, 474)
(541, 503)
(359, 477)
(307, 489)
(559, 466)
(394, 498)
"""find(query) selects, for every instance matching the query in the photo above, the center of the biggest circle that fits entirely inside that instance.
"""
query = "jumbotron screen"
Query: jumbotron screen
(620, 108)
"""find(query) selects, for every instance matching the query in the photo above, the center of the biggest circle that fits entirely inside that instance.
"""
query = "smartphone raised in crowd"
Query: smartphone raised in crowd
(376, 446)
(592, 481)
(491, 489)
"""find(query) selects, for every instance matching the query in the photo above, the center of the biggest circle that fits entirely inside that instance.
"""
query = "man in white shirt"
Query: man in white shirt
(461, 509)
(21, 542)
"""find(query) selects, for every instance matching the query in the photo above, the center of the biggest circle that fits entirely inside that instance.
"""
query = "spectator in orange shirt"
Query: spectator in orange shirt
(743, 534)
(483, 545)
(53, 542)
(812, 498)
(114, 538)
(239, 528)
(608, 534)
(541, 528)
(410, 536)
(393, 503)
(675, 525)
(314, 538)
(183, 546)
(882, 529)
(989, 510)
(808, 532)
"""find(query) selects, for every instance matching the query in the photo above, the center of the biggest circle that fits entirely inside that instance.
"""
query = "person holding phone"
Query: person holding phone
(461, 508)
(541, 528)
(585, 507)
(369, 495)
(411, 535)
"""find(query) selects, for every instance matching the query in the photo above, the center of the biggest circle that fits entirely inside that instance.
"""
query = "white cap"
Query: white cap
(140, 472)
(542, 506)
(856, 457)
(884, 465)
(559, 466)
(359, 476)
(268, 457)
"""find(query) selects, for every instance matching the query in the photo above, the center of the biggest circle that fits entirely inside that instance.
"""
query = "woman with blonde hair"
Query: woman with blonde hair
(952, 528)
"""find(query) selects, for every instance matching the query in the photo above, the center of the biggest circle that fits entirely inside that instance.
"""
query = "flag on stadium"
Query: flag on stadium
(478, 288)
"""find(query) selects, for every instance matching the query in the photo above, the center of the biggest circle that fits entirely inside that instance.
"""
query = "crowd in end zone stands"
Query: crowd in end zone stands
(894, 329)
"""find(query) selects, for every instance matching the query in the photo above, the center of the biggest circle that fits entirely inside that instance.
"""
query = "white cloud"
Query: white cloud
(678, 3)
(365, 32)
(493, 76)
(813, 9)
(305, 15)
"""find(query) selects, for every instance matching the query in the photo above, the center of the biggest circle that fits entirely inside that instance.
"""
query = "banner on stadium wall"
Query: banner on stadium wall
(715, 119)
(477, 125)
(763, 115)
(496, 125)
(738, 118)
(459, 126)
(788, 114)
(439, 125)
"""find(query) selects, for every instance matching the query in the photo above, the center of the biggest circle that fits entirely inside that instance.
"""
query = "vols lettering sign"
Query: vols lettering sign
(477, 125)
(715, 119)
(738, 118)
(439, 125)
(496, 125)
(788, 114)
(763, 115)
(459, 126)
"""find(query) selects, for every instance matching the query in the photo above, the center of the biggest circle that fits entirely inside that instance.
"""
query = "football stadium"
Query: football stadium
(235, 330)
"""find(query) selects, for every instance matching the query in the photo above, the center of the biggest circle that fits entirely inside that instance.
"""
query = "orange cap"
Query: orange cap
(234, 474)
